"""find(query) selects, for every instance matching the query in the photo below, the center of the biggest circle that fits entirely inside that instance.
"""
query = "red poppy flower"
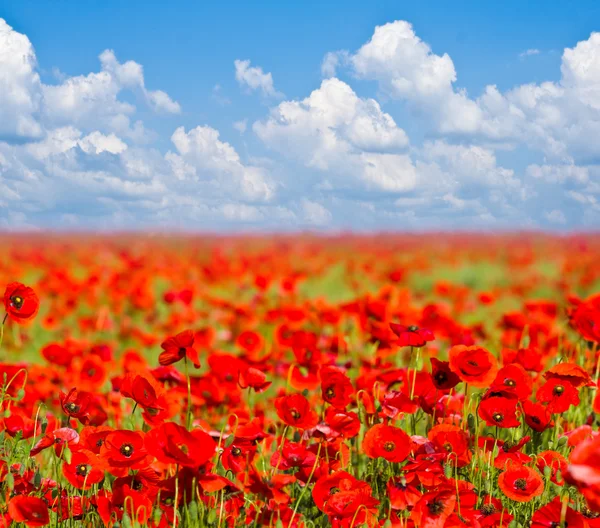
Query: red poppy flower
(537, 416)
(59, 438)
(76, 403)
(513, 378)
(551, 516)
(584, 470)
(521, 483)
(558, 394)
(452, 441)
(555, 461)
(171, 443)
(251, 342)
(473, 365)
(84, 470)
(295, 410)
(336, 387)
(386, 441)
(571, 372)
(28, 510)
(412, 336)
(253, 378)
(20, 302)
(123, 450)
(178, 347)
(499, 411)
(433, 508)
(442, 376)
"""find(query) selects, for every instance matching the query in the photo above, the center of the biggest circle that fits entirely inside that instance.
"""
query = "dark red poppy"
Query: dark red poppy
(31, 511)
(178, 347)
(442, 376)
(20, 302)
(412, 336)
(75, 403)
(295, 410)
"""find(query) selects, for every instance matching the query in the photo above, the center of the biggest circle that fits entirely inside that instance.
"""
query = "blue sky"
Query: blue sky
(348, 115)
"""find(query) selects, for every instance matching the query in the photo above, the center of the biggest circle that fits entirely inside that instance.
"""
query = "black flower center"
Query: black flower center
(488, 509)
(413, 328)
(17, 301)
(330, 392)
(126, 450)
(510, 382)
(521, 484)
(498, 417)
(82, 470)
(558, 390)
(295, 414)
(236, 451)
(436, 507)
(389, 446)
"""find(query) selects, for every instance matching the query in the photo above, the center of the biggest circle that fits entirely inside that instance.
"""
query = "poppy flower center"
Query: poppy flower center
(558, 390)
(441, 377)
(448, 447)
(488, 509)
(236, 451)
(100, 443)
(330, 392)
(295, 414)
(17, 301)
(126, 450)
(82, 470)
(413, 328)
(72, 407)
(498, 417)
(510, 382)
(389, 446)
(521, 484)
(436, 507)
(182, 351)
(36, 515)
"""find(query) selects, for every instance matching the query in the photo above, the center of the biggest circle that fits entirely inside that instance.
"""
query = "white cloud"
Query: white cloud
(218, 162)
(529, 53)
(315, 214)
(334, 130)
(556, 217)
(20, 86)
(241, 126)
(254, 78)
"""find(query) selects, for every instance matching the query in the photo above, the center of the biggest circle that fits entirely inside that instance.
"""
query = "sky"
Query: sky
(284, 116)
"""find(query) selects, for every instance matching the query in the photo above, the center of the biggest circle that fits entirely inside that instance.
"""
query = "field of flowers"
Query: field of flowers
(399, 381)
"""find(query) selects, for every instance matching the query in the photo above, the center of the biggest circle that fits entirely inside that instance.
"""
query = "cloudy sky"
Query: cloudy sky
(239, 115)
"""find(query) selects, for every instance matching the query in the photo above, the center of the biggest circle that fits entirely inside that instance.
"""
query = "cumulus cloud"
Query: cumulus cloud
(253, 78)
(335, 131)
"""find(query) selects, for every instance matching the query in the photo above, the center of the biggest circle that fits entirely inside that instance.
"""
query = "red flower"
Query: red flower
(433, 508)
(20, 302)
(473, 365)
(521, 483)
(386, 441)
(412, 336)
(76, 404)
(513, 378)
(123, 450)
(173, 444)
(558, 394)
(442, 376)
(537, 416)
(336, 387)
(499, 411)
(253, 378)
(178, 347)
(29, 510)
(295, 410)
(551, 515)
(84, 470)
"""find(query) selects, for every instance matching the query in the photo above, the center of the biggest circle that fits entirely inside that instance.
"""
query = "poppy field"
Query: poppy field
(299, 381)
